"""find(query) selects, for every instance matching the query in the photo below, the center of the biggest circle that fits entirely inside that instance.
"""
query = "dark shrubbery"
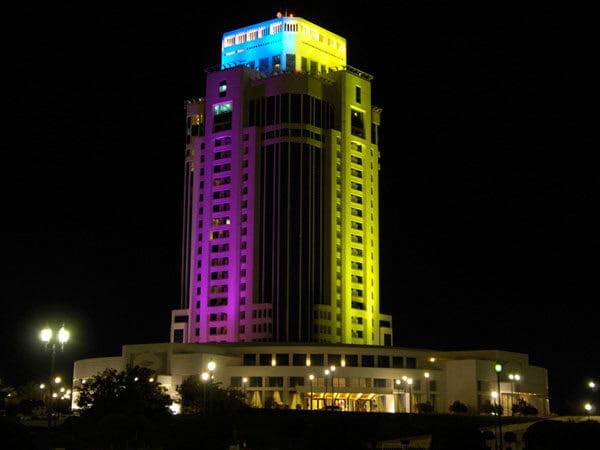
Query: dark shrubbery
(557, 435)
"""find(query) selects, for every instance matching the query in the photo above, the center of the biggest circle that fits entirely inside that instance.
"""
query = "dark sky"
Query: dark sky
(489, 179)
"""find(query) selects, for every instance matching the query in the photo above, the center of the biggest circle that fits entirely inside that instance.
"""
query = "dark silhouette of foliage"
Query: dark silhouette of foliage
(424, 408)
(208, 398)
(458, 407)
(491, 408)
(525, 409)
(131, 392)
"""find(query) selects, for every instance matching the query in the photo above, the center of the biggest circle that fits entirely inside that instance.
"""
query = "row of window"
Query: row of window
(293, 132)
(318, 359)
(321, 381)
(252, 34)
(291, 108)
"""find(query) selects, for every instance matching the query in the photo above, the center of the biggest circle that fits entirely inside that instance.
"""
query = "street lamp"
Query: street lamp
(205, 376)
(588, 409)
(332, 368)
(311, 377)
(426, 375)
(325, 382)
(211, 366)
(409, 381)
(498, 369)
(244, 383)
(513, 378)
(398, 382)
(53, 343)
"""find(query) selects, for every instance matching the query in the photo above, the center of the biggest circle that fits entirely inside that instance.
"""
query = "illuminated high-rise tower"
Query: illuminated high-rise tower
(281, 215)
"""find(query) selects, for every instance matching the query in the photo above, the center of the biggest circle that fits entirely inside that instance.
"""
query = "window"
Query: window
(249, 359)
(223, 89)
(282, 359)
(397, 362)
(334, 360)
(351, 360)
(263, 65)
(299, 359)
(223, 113)
(357, 123)
(357, 94)
(290, 62)
(317, 359)
(276, 63)
(387, 340)
(383, 361)
(178, 336)
(264, 359)
(296, 381)
(411, 363)
(275, 381)
(379, 382)
(368, 361)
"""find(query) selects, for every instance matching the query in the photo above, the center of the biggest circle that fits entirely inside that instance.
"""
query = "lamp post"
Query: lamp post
(498, 369)
(53, 343)
(311, 377)
(398, 382)
(244, 383)
(409, 381)
(325, 382)
(205, 376)
(332, 368)
(588, 409)
(513, 377)
(211, 366)
(426, 375)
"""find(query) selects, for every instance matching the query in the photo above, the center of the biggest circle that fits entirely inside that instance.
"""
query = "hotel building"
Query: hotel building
(281, 218)
(280, 261)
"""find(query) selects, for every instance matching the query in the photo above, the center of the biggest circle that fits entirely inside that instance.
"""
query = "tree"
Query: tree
(458, 407)
(208, 398)
(524, 408)
(29, 397)
(491, 408)
(426, 407)
(133, 391)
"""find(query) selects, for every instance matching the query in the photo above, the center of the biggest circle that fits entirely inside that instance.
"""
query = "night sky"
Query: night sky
(489, 175)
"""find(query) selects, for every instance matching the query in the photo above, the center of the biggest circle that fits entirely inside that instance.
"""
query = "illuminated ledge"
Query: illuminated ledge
(359, 73)
(353, 70)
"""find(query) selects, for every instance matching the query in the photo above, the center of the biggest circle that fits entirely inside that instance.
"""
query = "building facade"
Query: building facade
(362, 378)
(281, 195)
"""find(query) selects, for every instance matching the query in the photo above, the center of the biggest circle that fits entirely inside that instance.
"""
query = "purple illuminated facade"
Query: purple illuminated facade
(281, 228)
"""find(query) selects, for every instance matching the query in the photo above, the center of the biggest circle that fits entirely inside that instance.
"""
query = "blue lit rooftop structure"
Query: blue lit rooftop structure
(284, 44)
